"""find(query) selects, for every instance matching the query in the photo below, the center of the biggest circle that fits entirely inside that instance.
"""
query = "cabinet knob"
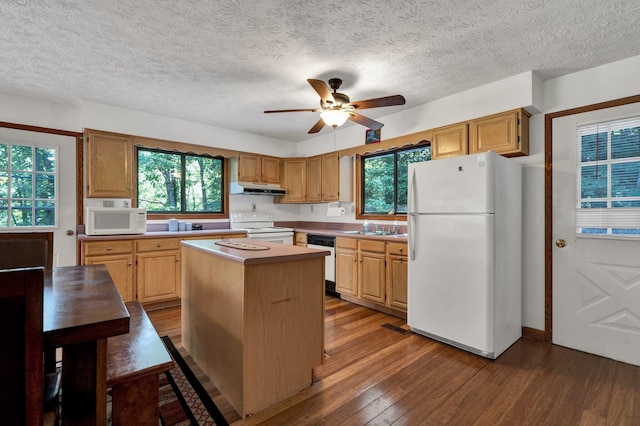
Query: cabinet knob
(128, 264)
(109, 248)
(159, 245)
(400, 250)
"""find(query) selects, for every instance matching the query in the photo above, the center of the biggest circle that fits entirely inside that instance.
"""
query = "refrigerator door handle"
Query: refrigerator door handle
(412, 223)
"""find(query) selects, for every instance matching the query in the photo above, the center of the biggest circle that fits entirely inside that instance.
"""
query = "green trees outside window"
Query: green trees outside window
(174, 182)
(385, 180)
(27, 186)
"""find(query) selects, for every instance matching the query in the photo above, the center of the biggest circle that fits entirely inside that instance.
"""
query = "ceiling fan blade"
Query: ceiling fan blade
(379, 102)
(365, 121)
(317, 127)
(323, 90)
(292, 110)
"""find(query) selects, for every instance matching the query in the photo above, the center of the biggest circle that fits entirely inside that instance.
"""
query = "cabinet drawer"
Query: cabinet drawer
(96, 248)
(370, 245)
(158, 244)
(301, 238)
(397, 248)
(348, 243)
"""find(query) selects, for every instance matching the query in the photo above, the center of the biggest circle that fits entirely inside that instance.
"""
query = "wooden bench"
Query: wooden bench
(134, 361)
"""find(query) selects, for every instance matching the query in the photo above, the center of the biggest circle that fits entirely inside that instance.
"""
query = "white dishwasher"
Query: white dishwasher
(326, 242)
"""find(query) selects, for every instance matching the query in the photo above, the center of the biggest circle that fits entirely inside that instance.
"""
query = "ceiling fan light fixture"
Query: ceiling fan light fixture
(334, 117)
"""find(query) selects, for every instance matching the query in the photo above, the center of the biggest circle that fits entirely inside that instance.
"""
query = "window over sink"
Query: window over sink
(384, 181)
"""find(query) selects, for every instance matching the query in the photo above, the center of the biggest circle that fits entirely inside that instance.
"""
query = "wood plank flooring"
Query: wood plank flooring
(375, 375)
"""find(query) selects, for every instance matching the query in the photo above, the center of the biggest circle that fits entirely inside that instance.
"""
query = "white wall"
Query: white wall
(611, 81)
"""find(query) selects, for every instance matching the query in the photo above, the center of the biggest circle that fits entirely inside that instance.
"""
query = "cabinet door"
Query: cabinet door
(330, 177)
(347, 271)
(450, 141)
(295, 172)
(301, 239)
(120, 267)
(506, 133)
(270, 169)
(397, 282)
(371, 277)
(248, 168)
(158, 276)
(109, 165)
(314, 179)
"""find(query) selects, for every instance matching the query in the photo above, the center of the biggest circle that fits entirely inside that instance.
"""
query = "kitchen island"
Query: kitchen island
(253, 317)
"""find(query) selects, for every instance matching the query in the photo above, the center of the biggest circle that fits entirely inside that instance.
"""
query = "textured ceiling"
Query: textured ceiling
(224, 62)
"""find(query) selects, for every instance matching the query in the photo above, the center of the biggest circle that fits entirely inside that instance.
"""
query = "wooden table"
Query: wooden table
(82, 308)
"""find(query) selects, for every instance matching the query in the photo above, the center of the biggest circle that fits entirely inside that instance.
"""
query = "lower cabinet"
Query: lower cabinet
(117, 256)
(144, 269)
(372, 273)
(158, 269)
(300, 239)
(347, 266)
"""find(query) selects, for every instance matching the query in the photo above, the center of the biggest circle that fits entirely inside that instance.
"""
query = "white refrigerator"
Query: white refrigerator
(464, 224)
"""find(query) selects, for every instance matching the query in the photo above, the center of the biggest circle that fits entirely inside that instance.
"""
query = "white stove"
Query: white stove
(260, 225)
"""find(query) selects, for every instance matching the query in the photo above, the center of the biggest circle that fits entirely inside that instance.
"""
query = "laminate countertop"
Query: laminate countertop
(251, 251)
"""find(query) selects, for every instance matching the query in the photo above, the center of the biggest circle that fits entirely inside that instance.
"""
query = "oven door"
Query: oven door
(276, 237)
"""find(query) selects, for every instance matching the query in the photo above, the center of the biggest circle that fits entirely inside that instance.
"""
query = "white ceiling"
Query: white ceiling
(224, 62)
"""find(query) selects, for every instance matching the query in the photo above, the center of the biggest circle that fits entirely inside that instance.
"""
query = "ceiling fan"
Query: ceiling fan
(336, 108)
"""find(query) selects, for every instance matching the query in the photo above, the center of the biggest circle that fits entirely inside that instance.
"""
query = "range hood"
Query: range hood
(255, 188)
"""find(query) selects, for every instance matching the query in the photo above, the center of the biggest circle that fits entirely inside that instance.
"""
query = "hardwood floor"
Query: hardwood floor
(378, 374)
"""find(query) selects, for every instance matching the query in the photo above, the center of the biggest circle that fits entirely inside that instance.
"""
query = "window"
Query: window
(174, 182)
(28, 176)
(385, 180)
(609, 178)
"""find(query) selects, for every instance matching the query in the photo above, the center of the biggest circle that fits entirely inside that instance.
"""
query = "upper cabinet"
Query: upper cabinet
(314, 179)
(330, 177)
(258, 168)
(295, 171)
(450, 141)
(506, 133)
(109, 165)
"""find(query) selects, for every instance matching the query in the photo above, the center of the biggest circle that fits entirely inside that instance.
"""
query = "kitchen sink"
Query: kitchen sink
(379, 233)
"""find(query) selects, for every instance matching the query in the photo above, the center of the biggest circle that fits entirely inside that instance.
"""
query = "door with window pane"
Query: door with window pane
(38, 188)
(596, 229)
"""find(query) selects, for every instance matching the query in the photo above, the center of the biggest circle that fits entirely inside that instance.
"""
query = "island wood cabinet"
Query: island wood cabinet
(373, 273)
(144, 269)
(109, 159)
(397, 276)
(450, 141)
(506, 133)
(347, 266)
(258, 168)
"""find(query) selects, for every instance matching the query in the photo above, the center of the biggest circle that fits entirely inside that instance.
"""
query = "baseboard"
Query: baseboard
(154, 306)
(534, 333)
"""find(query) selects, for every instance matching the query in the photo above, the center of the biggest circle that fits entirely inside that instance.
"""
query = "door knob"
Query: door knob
(69, 232)
(561, 243)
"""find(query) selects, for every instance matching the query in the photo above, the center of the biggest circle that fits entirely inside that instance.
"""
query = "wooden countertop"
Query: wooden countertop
(276, 252)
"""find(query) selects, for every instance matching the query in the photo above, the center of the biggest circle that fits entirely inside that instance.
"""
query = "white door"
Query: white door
(596, 280)
(64, 245)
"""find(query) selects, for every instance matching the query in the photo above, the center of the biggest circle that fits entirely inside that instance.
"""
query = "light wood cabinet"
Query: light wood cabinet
(294, 180)
(300, 239)
(110, 168)
(371, 271)
(314, 179)
(506, 133)
(145, 269)
(330, 177)
(397, 276)
(347, 266)
(258, 168)
(158, 269)
(117, 256)
(450, 141)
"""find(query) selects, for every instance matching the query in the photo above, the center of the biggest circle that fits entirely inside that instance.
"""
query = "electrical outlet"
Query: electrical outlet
(253, 207)
(311, 208)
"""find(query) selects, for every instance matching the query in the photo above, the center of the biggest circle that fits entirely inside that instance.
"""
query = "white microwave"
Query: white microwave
(114, 221)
